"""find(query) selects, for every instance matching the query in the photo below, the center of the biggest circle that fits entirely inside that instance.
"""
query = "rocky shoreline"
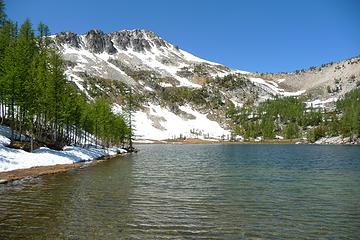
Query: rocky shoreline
(338, 140)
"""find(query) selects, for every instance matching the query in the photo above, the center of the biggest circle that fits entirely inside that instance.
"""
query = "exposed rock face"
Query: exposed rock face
(131, 38)
(159, 42)
(138, 40)
(185, 72)
(69, 38)
(98, 42)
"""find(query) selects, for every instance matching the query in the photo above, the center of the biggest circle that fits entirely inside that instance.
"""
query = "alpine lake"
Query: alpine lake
(215, 191)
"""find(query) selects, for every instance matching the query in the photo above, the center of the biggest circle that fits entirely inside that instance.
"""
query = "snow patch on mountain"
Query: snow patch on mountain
(152, 59)
(158, 123)
(78, 82)
(317, 103)
(272, 87)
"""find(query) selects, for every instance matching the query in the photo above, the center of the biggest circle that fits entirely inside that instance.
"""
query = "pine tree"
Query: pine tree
(267, 128)
(25, 51)
(2, 13)
(43, 30)
(56, 91)
(291, 131)
(43, 33)
(6, 39)
(130, 110)
(9, 80)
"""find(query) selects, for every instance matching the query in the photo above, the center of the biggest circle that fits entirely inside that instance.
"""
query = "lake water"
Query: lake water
(194, 192)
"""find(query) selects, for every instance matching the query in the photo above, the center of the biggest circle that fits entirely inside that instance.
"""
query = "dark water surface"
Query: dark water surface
(195, 192)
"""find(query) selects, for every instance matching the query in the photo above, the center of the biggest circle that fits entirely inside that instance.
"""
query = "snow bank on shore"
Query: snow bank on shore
(11, 159)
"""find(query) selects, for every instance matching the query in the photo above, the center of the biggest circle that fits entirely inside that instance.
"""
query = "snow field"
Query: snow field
(160, 123)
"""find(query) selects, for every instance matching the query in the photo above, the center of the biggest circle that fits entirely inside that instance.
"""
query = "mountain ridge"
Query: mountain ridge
(96, 31)
(158, 71)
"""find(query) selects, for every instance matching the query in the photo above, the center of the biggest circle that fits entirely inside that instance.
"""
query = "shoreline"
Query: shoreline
(38, 171)
(202, 141)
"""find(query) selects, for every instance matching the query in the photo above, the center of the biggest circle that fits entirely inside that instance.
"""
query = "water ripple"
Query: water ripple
(194, 192)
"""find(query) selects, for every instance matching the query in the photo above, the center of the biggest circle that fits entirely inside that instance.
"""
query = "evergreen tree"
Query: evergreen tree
(267, 128)
(10, 80)
(25, 51)
(130, 104)
(43, 30)
(291, 131)
(349, 106)
(2, 13)
(6, 40)
(43, 33)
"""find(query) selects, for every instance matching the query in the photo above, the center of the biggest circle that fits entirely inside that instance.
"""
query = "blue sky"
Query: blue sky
(257, 35)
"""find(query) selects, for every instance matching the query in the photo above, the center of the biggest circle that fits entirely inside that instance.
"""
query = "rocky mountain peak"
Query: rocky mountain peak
(138, 40)
(97, 41)
(69, 38)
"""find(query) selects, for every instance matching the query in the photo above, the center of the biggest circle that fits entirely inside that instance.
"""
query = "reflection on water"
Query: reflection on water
(194, 191)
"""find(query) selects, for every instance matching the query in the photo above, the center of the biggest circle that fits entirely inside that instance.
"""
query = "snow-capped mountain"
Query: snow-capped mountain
(179, 94)
(106, 56)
